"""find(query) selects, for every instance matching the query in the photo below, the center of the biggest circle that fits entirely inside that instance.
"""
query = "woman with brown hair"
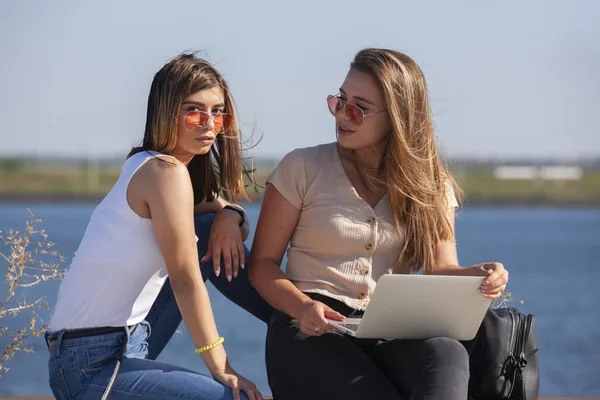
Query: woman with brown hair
(378, 200)
(137, 269)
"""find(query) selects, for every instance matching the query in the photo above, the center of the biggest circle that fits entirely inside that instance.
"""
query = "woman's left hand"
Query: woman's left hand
(495, 279)
(226, 240)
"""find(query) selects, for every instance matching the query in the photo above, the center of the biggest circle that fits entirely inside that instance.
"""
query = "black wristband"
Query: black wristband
(239, 211)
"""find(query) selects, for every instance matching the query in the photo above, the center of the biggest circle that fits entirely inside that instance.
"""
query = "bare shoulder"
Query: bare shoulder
(164, 171)
(161, 179)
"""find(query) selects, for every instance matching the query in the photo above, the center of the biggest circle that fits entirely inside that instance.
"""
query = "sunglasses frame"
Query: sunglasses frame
(345, 106)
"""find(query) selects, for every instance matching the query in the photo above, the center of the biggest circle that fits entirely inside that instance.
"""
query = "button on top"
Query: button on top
(362, 296)
(368, 246)
(364, 271)
(371, 220)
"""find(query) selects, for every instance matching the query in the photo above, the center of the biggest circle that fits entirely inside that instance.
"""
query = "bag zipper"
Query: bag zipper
(513, 338)
(526, 329)
(518, 350)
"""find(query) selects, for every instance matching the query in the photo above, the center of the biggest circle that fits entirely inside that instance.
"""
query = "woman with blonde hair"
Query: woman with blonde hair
(378, 200)
(137, 270)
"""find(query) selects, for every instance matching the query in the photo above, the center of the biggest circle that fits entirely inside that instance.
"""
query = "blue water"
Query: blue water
(552, 256)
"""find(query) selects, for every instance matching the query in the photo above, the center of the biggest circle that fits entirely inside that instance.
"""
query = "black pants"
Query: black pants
(336, 366)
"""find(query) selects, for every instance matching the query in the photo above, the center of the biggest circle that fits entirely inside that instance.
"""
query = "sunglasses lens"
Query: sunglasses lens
(355, 114)
(333, 104)
(227, 122)
(218, 122)
(194, 120)
(222, 122)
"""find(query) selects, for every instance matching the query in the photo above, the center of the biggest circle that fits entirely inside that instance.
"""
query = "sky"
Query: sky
(506, 79)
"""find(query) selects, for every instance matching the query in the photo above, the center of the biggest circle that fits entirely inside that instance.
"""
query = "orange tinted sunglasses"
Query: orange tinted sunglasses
(196, 120)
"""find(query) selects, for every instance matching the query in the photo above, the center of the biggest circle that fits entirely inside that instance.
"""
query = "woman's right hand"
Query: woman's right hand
(229, 377)
(314, 316)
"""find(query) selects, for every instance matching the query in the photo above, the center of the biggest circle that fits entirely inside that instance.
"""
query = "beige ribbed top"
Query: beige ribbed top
(340, 246)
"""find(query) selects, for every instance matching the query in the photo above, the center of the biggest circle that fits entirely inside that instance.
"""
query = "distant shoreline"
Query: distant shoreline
(6, 198)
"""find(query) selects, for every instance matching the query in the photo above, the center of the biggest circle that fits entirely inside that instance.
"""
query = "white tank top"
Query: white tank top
(118, 270)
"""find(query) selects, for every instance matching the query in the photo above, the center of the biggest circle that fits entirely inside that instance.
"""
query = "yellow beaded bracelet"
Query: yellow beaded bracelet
(210, 346)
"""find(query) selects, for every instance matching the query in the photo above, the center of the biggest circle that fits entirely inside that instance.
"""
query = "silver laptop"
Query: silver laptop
(420, 307)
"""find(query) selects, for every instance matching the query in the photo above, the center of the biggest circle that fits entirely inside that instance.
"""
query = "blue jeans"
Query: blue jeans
(80, 368)
(164, 317)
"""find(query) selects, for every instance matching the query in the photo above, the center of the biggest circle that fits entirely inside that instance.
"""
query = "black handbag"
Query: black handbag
(504, 357)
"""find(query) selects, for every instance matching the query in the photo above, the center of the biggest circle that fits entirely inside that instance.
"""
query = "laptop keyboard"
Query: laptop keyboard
(353, 327)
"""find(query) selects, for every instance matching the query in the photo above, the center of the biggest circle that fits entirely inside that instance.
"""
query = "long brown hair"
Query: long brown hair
(221, 169)
(415, 176)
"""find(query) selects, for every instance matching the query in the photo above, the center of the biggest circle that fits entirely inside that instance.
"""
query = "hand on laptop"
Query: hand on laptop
(495, 279)
(313, 318)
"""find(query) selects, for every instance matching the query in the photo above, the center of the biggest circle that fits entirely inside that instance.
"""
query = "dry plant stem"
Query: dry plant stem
(25, 268)
(503, 300)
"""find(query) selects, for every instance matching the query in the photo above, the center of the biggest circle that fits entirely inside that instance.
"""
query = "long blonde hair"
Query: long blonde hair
(415, 176)
(221, 169)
